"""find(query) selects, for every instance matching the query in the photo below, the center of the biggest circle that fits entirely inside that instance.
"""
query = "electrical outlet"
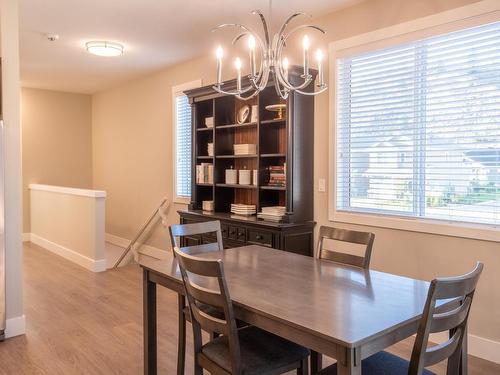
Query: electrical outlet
(322, 185)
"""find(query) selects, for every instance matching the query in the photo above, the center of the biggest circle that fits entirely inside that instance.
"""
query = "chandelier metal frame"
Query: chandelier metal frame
(271, 62)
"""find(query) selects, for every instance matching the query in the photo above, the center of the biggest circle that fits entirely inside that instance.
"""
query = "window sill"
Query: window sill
(443, 228)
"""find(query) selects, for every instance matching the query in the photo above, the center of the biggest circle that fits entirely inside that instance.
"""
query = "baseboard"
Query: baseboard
(141, 248)
(15, 326)
(71, 255)
(26, 237)
(478, 346)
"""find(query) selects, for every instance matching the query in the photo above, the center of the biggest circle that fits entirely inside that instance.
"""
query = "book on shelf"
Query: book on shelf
(204, 173)
(277, 175)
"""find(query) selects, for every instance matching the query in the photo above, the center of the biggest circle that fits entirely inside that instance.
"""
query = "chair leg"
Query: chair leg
(304, 367)
(316, 362)
(198, 370)
(181, 344)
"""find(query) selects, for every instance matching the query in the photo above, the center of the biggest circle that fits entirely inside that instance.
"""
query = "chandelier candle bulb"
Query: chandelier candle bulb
(285, 67)
(251, 46)
(321, 77)
(237, 64)
(219, 53)
(306, 44)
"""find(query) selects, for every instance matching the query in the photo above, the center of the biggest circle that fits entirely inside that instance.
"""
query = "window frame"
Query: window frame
(468, 16)
(178, 91)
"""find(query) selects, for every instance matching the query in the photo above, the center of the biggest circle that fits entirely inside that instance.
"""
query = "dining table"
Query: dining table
(344, 312)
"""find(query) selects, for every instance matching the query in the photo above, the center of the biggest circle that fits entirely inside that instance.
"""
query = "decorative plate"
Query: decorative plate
(243, 114)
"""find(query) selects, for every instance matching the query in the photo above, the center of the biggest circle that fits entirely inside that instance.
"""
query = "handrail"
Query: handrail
(157, 211)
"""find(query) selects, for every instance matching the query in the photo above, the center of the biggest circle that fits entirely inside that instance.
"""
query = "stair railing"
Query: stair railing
(158, 211)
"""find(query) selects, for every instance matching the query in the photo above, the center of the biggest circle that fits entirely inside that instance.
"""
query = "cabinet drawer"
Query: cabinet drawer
(260, 237)
(225, 230)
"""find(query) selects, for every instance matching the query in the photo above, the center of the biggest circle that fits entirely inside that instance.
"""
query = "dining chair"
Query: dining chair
(177, 232)
(244, 351)
(345, 235)
(453, 320)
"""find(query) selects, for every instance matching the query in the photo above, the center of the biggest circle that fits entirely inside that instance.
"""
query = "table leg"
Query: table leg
(181, 349)
(149, 320)
(316, 362)
(350, 364)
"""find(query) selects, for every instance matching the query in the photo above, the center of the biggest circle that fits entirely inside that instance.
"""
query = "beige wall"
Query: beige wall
(132, 128)
(57, 141)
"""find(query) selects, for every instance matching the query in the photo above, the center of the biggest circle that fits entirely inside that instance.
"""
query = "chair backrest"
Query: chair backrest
(192, 267)
(181, 230)
(345, 235)
(453, 319)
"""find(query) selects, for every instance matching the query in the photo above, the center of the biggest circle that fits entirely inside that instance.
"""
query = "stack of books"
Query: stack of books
(277, 175)
(204, 173)
(243, 209)
(245, 149)
(273, 213)
(210, 149)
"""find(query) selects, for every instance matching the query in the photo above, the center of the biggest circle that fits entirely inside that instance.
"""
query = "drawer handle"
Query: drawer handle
(259, 237)
(232, 232)
(241, 234)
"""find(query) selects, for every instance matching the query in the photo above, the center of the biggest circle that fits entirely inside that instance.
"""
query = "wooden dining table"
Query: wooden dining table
(344, 312)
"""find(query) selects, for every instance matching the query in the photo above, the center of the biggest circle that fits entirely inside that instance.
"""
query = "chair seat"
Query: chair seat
(261, 352)
(382, 363)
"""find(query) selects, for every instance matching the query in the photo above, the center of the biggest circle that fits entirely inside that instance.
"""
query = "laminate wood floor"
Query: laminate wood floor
(79, 322)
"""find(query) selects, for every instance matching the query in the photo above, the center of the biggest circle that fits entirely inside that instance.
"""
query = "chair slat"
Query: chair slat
(201, 249)
(450, 319)
(210, 323)
(205, 296)
(439, 353)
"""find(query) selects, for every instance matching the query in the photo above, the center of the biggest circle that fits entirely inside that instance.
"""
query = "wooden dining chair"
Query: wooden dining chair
(245, 351)
(453, 320)
(177, 232)
(345, 235)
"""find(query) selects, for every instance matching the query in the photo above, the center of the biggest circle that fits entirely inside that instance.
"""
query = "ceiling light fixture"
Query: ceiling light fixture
(104, 48)
(272, 62)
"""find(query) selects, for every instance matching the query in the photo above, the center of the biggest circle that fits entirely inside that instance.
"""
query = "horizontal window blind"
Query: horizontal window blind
(183, 146)
(418, 128)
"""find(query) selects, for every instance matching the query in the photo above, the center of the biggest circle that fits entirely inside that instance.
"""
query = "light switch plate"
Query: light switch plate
(322, 185)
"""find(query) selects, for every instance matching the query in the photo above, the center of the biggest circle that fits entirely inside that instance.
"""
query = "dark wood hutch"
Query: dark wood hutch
(288, 141)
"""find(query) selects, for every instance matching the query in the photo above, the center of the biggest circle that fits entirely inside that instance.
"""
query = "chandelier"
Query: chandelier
(272, 61)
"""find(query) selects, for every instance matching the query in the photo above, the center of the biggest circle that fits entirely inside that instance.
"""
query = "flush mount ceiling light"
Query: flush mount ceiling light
(104, 48)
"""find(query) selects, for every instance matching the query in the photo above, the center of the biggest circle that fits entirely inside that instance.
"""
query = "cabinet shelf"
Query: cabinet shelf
(204, 157)
(274, 121)
(268, 187)
(235, 156)
(204, 129)
(233, 126)
(273, 155)
(237, 186)
(203, 184)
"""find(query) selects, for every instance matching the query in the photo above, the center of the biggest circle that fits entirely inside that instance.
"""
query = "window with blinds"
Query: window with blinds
(418, 128)
(182, 146)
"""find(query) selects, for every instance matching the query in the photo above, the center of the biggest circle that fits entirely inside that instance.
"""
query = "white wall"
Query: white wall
(9, 30)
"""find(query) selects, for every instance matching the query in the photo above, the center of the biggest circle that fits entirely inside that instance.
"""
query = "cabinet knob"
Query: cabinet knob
(259, 237)
(232, 232)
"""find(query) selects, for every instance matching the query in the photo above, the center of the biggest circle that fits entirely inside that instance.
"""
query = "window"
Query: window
(418, 129)
(182, 138)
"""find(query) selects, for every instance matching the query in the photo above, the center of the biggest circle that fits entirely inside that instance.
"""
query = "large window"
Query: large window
(418, 129)
(182, 145)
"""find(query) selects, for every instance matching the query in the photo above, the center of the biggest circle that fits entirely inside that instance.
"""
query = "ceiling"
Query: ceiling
(156, 34)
